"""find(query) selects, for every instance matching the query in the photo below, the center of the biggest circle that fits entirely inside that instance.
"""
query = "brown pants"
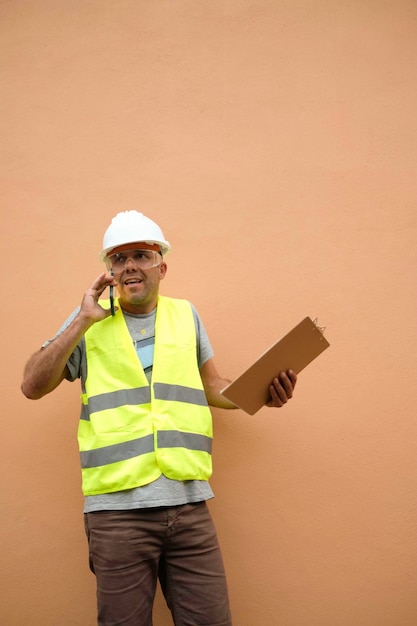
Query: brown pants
(130, 550)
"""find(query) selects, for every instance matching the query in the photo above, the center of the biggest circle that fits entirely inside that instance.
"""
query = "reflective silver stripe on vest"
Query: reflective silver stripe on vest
(129, 449)
(114, 399)
(117, 452)
(177, 439)
(179, 393)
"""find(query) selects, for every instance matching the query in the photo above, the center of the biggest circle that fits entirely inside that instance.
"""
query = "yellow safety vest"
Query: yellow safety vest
(130, 431)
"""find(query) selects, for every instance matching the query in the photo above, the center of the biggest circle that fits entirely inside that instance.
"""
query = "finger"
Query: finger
(278, 394)
(293, 377)
(101, 283)
(108, 312)
(286, 383)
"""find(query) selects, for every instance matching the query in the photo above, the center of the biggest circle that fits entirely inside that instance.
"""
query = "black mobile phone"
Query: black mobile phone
(112, 298)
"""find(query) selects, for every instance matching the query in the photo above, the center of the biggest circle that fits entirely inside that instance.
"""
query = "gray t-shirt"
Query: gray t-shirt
(163, 491)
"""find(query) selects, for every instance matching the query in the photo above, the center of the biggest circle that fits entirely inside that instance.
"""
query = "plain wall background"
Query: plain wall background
(276, 144)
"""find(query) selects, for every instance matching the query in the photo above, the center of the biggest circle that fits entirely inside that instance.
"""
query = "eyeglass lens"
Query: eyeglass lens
(144, 259)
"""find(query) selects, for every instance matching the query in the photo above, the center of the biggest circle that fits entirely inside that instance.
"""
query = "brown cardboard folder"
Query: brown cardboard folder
(250, 391)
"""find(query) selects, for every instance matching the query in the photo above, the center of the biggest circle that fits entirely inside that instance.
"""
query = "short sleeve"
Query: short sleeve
(204, 348)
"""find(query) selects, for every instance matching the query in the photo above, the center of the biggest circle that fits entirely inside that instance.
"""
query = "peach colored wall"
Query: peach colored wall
(276, 143)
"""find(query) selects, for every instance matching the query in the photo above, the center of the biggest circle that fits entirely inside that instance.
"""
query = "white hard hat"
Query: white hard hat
(132, 227)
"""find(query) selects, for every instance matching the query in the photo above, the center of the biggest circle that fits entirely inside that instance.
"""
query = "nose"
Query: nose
(132, 263)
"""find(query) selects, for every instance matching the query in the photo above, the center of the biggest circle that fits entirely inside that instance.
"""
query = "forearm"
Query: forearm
(215, 398)
(213, 384)
(46, 369)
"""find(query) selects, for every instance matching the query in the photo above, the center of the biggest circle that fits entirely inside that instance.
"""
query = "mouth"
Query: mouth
(132, 281)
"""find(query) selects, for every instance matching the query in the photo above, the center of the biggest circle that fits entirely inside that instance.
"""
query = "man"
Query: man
(145, 433)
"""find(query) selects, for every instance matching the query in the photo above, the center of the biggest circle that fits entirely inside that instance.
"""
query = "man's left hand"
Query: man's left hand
(282, 388)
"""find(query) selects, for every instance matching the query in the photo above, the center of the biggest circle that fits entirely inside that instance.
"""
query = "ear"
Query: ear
(162, 270)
